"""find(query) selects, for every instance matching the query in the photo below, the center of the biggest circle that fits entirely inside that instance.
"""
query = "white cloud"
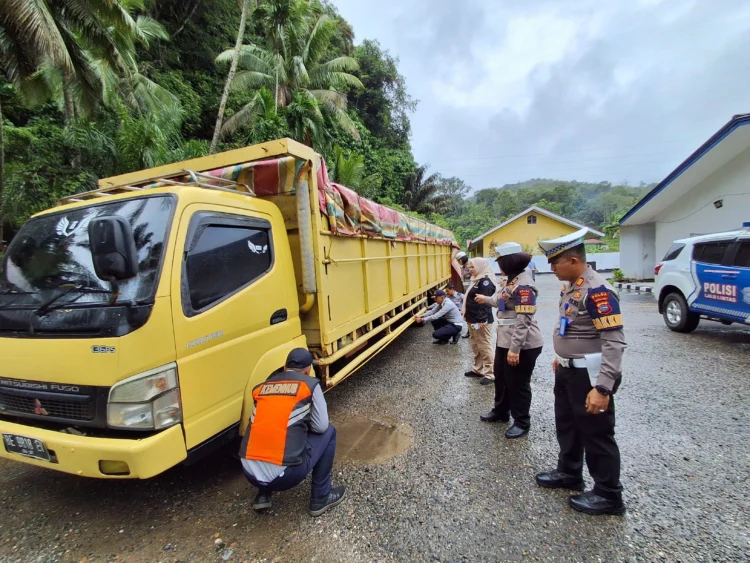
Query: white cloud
(584, 89)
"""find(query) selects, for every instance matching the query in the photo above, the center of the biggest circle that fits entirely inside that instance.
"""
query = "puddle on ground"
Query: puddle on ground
(367, 441)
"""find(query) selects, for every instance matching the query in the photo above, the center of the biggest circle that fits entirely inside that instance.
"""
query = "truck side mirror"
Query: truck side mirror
(113, 248)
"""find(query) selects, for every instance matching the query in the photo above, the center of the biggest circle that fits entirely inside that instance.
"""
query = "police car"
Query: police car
(706, 277)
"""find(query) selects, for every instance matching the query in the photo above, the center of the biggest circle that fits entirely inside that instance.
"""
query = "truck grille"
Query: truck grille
(14, 403)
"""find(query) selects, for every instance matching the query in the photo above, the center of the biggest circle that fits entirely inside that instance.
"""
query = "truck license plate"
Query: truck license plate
(30, 447)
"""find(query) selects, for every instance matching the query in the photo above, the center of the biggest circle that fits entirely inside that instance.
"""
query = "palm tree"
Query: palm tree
(230, 76)
(261, 116)
(348, 170)
(63, 34)
(292, 69)
(423, 195)
(76, 51)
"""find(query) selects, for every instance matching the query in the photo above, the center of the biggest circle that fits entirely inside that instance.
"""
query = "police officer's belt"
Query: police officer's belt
(571, 362)
(506, 322)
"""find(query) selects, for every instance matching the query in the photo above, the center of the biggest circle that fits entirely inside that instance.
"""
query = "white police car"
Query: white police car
(707, 277)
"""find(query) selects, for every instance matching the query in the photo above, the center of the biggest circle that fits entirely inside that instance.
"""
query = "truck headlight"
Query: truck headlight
(148, 401)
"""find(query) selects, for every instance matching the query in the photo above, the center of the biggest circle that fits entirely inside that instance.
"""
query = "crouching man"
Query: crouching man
(445, 318)
(289, 435)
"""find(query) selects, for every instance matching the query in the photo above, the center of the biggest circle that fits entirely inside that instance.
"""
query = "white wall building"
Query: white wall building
(708, 193)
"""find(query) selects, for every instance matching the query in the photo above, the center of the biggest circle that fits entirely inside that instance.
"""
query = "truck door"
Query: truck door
(228, 304)
(717, 290)
(740, 262)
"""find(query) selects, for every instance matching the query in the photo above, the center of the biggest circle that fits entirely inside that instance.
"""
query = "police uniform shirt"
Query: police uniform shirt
(594, 325)
(516, 299)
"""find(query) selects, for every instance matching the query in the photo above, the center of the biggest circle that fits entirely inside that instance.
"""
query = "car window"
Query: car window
(223, 260)
(673, 252)
(710, 252)
(742, 259)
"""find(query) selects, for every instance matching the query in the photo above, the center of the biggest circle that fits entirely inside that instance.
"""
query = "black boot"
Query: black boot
(319, 506)
(262, 500)
(516, 432)
(492, 416)
(560, 480)
(591, 503)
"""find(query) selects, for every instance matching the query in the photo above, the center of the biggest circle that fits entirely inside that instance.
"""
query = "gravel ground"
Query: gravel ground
(427, 481)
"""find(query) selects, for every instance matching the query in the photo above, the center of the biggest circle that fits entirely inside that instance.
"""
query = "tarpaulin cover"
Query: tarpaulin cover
(351, 214)
(347, 213)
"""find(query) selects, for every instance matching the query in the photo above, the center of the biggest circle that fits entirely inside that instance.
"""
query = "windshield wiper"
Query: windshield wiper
(15, 294)
(49, 305)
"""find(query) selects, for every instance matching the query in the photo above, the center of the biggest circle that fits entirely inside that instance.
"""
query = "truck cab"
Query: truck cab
(131, 326)
(706, 277)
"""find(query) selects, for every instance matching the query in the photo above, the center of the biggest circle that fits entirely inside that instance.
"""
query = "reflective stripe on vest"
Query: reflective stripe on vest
(279, 424)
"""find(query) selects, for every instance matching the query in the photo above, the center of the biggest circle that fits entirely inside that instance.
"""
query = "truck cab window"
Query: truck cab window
(223, 260)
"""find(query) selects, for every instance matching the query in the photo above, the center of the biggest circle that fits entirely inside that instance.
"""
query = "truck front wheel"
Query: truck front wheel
(677, 315)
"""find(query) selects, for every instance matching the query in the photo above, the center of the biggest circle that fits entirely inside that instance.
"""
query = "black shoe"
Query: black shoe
(454, 340)
(441, 342)
(559, 480)
(466, 336)
(492, 416)
(487, 381)
(319, 506)
(516, 432)
(591, 503)
(472, 374)
(262, 500)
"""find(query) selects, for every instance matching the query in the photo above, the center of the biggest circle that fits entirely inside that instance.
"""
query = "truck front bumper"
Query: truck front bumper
(83, 455)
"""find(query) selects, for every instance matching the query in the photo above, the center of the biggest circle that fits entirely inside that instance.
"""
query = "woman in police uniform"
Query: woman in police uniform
(519, 340)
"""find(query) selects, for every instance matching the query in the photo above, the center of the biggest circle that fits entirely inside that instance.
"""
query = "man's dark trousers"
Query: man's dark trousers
(319, 454)
(444, 330)
(579, 432)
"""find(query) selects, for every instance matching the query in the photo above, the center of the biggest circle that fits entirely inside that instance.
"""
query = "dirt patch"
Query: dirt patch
(364, 440)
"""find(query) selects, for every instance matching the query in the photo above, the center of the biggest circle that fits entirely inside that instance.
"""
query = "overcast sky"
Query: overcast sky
(572, 89)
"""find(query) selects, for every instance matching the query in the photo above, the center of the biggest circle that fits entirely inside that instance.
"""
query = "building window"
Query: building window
(531, 220)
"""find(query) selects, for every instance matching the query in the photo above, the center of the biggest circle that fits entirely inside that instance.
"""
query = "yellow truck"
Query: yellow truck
(136, 319)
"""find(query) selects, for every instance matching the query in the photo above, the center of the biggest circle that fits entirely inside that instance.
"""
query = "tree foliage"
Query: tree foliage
(92, 89)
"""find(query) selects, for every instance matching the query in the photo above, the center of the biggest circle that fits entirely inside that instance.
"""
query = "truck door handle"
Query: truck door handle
(278, 317)
(729, 276)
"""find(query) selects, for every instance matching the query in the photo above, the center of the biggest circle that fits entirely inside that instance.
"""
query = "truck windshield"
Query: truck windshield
(50, 257)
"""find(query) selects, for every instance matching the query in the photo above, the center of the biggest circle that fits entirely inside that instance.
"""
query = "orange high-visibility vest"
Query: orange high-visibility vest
(281, 419)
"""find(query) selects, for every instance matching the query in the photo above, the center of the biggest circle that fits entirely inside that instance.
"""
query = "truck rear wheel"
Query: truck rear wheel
(677, 316)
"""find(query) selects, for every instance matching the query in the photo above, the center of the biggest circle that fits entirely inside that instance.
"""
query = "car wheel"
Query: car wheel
(677, 316)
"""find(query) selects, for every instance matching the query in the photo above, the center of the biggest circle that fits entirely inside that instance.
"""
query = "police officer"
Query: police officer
(519, 340)
(463, 260)
(589, 343)
(445, 318)
(289, 435)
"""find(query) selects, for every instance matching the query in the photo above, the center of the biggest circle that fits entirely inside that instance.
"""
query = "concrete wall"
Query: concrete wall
(694, 213)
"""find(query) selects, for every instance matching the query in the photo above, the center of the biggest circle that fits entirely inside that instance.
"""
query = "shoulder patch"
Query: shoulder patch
(604, 309)
(525, 300)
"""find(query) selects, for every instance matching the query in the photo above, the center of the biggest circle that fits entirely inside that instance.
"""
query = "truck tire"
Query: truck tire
(677, 315)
